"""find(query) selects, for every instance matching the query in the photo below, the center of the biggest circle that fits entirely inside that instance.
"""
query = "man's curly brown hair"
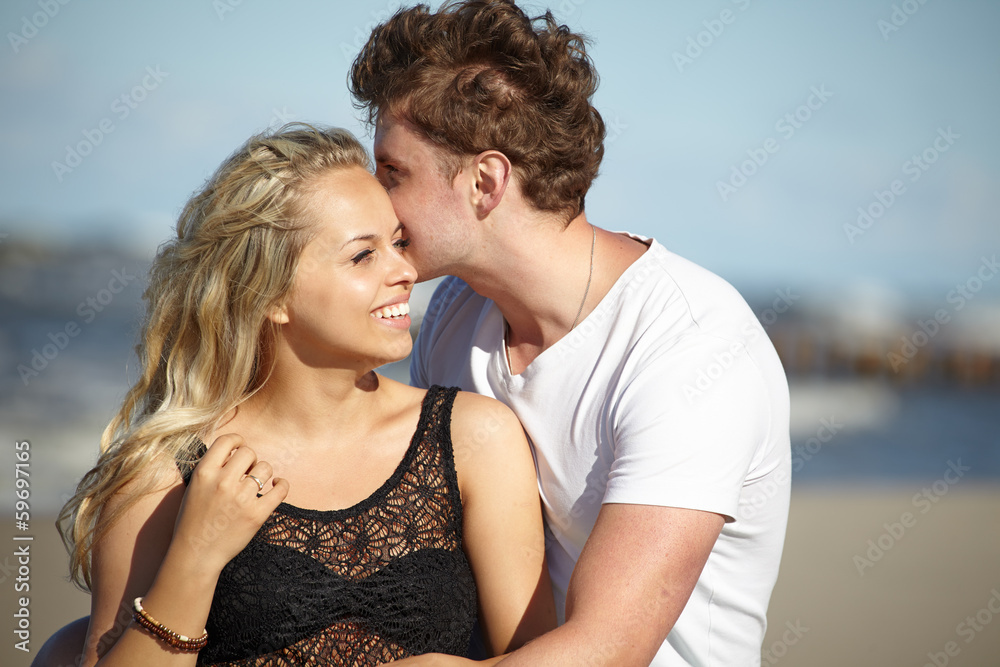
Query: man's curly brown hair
(481, 75)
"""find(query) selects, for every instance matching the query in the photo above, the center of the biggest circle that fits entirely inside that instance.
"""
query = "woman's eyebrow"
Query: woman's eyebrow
(362, 237)
(370, 237)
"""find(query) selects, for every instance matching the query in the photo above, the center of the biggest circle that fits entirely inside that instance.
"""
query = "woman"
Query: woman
(333, 516)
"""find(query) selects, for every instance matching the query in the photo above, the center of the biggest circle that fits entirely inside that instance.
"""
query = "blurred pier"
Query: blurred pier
(806, 352)
(959, 349)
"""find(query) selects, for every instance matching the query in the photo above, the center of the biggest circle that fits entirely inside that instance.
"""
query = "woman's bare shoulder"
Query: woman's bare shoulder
(486, 436)
(141, 499)
(478, 412)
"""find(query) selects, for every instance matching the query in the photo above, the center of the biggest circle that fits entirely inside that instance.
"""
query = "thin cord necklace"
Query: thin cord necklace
(593, 244)
(590, 277)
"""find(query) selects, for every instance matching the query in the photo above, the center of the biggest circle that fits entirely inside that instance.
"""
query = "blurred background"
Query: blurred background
(837, 162)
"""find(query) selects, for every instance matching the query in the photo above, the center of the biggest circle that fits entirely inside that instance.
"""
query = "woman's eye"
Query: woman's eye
(362, 256)
(402, 244)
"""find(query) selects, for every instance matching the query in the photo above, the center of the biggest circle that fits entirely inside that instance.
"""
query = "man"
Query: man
(655, 404)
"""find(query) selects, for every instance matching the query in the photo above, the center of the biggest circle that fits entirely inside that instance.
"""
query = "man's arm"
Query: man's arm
(630, 585)
(647, 549)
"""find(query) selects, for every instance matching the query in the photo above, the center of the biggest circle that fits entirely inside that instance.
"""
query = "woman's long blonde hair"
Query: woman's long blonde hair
(204, 345)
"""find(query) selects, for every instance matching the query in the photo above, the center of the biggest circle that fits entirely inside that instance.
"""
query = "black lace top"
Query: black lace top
(366, 585)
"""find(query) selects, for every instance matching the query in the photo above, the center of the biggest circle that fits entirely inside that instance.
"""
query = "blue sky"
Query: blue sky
(832, 104)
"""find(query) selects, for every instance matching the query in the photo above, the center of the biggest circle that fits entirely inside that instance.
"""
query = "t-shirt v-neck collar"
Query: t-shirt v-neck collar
(501, 355)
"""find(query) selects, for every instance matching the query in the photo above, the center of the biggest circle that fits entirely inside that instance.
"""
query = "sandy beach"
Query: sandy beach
(921, 598)
(830, 609)
(53, 601)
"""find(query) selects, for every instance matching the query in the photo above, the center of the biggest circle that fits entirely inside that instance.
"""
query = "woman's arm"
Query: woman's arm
(170, 548)
(503, 534)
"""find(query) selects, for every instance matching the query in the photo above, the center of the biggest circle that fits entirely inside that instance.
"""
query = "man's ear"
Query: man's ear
(278, 314)
(493, 172)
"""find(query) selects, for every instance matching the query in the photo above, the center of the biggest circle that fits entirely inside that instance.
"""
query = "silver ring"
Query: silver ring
(260, 484)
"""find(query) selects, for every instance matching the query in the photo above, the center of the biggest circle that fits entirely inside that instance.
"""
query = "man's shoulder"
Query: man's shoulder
(682, 318)
(694, 281)
(448, 290)
(681, 295)
(448, 332)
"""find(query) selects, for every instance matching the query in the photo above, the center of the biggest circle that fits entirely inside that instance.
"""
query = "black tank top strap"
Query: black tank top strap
(434, 429)
(186, 466)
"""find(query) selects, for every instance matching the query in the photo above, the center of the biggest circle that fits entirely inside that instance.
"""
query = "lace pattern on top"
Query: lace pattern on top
(382, 580)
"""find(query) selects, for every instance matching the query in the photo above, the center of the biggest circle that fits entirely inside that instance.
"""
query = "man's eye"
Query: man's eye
(387, 174)
(362, 256)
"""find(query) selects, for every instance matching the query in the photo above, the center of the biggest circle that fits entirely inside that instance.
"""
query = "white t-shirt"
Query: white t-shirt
(669, 393)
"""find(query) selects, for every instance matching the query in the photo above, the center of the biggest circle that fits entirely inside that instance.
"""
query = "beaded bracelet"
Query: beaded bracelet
(164, 634)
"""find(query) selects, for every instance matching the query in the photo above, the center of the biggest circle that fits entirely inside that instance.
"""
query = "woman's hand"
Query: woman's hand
(224, 505)
(169, 547)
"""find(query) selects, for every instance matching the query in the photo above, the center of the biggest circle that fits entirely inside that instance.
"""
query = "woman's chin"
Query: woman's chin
(395, 352)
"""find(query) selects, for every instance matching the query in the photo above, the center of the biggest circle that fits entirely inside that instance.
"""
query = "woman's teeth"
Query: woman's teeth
(399, 310)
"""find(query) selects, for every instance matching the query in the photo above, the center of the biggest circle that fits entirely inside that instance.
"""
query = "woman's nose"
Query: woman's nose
(403, 271)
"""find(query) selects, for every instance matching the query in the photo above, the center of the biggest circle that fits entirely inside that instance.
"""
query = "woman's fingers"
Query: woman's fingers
(218, 454)
(240, 461)
(274, 496)
(232, 458)
(259, 475)
(229, 456)
(268, 492)
(231, 494)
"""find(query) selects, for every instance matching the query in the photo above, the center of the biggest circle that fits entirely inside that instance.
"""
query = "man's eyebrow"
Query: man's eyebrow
(382, 157)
